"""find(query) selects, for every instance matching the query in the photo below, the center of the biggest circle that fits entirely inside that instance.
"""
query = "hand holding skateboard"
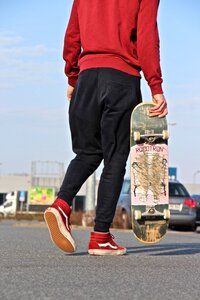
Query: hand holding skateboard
(160, 107)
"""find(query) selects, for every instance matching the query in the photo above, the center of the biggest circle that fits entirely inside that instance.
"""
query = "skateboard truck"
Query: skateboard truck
(152, 213)
(150, 137)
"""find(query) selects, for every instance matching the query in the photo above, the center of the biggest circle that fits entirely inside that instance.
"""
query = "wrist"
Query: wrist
(156, 89)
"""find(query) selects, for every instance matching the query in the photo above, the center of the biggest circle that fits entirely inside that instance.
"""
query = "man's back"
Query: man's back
(119, 34)
(109, 27)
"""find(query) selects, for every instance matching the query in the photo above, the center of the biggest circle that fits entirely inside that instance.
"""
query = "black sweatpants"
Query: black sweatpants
(99, 116)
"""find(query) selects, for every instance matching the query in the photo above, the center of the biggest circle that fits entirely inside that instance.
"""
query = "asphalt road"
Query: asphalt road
(32, 268)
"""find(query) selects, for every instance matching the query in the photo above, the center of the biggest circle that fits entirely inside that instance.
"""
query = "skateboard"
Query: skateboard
(149, 175)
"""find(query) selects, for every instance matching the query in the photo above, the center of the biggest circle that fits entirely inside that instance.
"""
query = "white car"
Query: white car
(10, 204)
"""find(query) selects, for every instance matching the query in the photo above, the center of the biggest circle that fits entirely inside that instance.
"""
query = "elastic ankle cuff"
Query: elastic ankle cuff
(64, 197)
(102, 227)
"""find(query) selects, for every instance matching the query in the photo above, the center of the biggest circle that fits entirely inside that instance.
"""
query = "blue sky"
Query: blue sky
(34, 108)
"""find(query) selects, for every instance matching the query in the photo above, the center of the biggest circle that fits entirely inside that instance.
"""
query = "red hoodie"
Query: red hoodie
(119, 34)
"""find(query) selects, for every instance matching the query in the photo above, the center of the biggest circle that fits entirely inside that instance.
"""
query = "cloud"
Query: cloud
(19, 52)
(33, 113)
(8, 38)
(21, 64)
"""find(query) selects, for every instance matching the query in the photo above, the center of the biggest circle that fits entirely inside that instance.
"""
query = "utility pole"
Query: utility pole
(90, 193)
(1, 169)
(194, 176)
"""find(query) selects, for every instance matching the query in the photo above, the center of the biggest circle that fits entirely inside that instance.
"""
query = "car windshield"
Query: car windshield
(125, 187)
(177, 190)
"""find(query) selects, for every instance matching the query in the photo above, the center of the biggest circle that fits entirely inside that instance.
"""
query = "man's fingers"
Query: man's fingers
(69, 97)
(160, 113)
(163, 114)
(159, 109)
(158, 106)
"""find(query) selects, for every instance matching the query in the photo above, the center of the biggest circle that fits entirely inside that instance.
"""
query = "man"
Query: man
(107, 44)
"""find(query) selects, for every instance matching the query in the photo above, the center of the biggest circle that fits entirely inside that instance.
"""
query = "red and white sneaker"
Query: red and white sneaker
(102, 244)
(57, 219)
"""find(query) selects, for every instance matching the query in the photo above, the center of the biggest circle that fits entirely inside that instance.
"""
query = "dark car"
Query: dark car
(182, 206)
(196, 197)
(124, 205)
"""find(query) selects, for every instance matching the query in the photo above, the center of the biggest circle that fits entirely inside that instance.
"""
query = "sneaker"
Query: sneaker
(102, 244)
(57, 219)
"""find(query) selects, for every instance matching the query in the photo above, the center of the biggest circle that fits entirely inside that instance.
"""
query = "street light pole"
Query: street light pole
(194, 175)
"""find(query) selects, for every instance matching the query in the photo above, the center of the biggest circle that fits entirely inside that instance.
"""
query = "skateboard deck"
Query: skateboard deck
(149, 175)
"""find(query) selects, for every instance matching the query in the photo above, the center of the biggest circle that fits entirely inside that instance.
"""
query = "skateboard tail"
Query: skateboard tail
(149, 231)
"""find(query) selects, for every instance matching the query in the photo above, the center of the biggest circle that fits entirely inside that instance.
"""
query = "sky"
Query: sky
(33, 103)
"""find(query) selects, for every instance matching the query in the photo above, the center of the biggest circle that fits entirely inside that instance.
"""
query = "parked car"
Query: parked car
(13, 201)
(196, 197)
(124, 205)
(182, 206)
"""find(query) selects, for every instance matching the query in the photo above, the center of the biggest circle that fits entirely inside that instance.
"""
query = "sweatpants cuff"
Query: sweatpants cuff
(64, 197)
(101, 227)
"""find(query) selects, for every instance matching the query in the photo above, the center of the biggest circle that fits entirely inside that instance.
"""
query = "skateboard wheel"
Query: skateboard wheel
(166, 213)
(138, 215)
(136, 136)
(165, 134)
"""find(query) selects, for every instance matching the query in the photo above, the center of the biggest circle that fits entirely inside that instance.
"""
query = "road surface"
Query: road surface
(32, 268)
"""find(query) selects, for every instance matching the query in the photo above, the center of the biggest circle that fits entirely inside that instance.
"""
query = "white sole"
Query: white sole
(60, 236)
(106, 252)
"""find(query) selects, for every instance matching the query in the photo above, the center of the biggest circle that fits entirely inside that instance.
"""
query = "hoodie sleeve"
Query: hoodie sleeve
(72, 47)
(148, 44)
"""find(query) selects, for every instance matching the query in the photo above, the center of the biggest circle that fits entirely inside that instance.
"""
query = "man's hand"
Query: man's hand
(160, 109)
(70, 92)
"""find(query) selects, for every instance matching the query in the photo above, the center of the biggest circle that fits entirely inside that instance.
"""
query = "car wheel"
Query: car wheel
(193, 227)
(172, 227)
